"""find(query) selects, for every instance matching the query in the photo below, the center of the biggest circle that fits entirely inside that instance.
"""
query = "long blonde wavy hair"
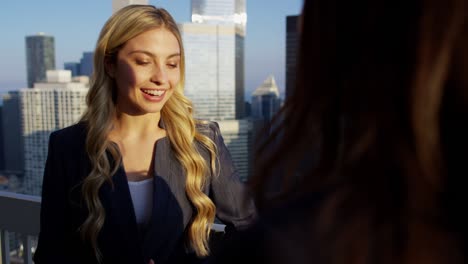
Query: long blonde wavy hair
(122, 26)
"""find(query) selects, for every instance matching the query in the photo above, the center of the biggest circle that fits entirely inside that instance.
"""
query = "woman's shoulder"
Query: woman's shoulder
(206, 127)
(72, 133)
(68, 142)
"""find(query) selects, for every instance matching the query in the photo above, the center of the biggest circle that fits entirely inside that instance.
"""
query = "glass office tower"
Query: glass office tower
(214, 47)
(40, 57)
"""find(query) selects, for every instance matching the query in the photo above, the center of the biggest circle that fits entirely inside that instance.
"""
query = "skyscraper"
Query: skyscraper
(82, 68)
(51, 105)
(214, 78)
(292, 38)
(265, 100)
(86, 64)
(2, 159)
(118, 4)
(214, 47)
(74, 67)
(237, 135)
(40, 57)
(11, 125)
(220, 12)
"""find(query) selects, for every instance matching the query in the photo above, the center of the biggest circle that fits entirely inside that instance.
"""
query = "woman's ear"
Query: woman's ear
(109, 65)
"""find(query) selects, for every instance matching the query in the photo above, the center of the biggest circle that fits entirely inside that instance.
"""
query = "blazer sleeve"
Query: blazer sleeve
(234, 207)
(53, 238)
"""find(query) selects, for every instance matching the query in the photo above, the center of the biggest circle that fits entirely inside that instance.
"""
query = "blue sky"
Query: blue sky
(76, 24)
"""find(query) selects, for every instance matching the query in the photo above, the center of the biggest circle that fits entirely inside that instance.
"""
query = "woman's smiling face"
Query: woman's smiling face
(146, 71)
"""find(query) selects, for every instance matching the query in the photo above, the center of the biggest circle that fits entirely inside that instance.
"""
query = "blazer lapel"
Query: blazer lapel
(167, 225)
(120, 224)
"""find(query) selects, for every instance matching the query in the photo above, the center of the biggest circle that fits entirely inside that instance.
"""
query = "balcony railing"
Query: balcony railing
(19, 213)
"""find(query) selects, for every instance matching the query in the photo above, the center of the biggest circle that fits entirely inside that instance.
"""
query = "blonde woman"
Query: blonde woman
(137, 180)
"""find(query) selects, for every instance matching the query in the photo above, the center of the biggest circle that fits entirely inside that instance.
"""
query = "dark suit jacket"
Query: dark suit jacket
(63, 210)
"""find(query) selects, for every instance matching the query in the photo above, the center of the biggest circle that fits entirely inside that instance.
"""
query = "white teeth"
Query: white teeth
(154, 92)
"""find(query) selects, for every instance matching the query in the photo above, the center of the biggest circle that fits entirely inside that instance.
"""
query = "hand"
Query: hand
(151, 261)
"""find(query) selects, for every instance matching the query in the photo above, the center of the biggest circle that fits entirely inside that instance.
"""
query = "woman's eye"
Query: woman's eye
(172, 65)
(143, 62)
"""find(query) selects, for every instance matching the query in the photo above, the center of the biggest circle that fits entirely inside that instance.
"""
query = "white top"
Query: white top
(142, 198)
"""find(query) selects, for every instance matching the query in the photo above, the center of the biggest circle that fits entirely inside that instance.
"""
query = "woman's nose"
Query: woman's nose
(159, 75)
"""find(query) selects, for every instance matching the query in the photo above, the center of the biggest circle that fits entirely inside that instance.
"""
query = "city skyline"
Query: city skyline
(75, 27)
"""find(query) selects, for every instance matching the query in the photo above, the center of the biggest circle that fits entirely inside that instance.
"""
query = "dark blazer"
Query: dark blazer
(63, 210)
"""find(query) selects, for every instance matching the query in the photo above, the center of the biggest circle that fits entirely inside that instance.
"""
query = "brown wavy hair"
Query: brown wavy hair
(122, 26)
(374, 124)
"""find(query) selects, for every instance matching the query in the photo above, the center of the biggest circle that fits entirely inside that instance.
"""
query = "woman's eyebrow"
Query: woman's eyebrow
(152, 54)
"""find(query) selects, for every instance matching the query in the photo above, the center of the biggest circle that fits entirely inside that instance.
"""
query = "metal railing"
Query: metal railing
(19, 213)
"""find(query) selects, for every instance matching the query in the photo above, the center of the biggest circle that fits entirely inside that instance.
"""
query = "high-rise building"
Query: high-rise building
(2, 154)
(220, 12)
(292, 39)
(82, 68)
(74, 67)
(237, 135)
(214, 78)
(118, 4)
(86, 64)
(214, 48)
(265, 100)
(51, 105)
(40, 57)
(11, 125)
(248, 109)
